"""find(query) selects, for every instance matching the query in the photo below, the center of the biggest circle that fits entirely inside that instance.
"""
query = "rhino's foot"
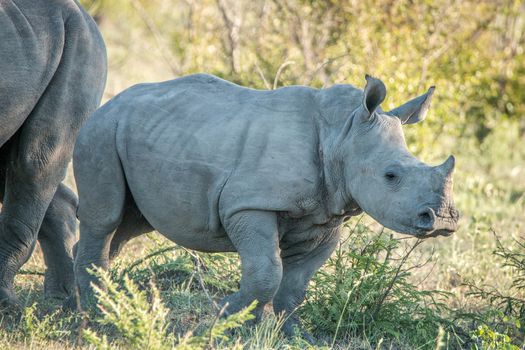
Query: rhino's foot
(233, 303)
(293, 328)
(57, 287)
(72, 303)
(9, 303)
(55, 293)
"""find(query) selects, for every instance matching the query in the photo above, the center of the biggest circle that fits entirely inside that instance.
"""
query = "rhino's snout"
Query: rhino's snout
(440, 219)
(431, 225)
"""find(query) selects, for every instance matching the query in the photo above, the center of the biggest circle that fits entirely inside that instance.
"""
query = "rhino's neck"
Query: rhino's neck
(336, 197)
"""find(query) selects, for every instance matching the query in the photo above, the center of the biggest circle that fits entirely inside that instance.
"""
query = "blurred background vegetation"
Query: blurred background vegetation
(378, 290)
(471, 50)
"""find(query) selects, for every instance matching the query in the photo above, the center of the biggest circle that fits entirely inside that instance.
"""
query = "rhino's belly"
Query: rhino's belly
(186, 219)
(210, 242)
(179, 198)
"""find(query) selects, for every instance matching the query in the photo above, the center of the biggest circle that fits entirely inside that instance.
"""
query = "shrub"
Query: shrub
(365, 291)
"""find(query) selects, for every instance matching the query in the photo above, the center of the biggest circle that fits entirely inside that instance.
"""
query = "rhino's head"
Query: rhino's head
(387, 182)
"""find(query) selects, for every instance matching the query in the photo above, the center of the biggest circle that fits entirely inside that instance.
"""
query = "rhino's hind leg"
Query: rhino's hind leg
(57, 236)
(29, 190)
(42, 146)
(108, 215)
(36, 165)
(256, 238)
(102, 194)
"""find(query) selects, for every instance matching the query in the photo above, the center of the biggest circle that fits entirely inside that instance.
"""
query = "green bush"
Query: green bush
(365, 291)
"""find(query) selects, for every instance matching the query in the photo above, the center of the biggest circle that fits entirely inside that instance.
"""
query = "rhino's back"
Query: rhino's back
(33, 35)
(185, 142)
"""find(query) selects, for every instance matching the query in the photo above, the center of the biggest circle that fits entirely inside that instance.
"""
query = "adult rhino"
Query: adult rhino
(52, 75)
(272, 175)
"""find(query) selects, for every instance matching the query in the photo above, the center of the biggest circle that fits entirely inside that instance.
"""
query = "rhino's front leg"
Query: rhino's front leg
(255, 236)
(300, 262)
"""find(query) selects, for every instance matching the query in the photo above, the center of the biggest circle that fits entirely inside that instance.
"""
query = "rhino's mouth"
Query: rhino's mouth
(436, 233)
(443, 231)
(443, 226)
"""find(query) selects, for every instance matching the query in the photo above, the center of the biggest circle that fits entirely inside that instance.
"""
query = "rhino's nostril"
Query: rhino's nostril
(426, 219)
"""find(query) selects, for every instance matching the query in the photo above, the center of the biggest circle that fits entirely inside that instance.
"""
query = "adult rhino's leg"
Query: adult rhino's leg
(133, 224)
(255, 236)
(102, 195)
(29, 188)
(57, 236)
(42, 147)
(300, 262)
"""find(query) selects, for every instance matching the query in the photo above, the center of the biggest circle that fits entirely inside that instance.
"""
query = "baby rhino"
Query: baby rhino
(272, 175)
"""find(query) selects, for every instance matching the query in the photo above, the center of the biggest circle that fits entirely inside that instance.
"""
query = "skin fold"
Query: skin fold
(217, 167)
(53, 72)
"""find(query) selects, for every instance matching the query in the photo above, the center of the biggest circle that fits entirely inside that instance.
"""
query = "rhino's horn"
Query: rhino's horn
(447, 168)
(414, 110)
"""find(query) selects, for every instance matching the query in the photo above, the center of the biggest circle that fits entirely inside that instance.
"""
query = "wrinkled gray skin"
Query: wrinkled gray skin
(216, 167)
(52, 74)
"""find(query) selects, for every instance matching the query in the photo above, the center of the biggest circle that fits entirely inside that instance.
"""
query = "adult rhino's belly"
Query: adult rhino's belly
(179, 198)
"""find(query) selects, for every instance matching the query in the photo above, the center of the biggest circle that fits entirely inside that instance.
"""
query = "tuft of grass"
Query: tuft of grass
(38, 327)
(139, 320)
(486, 338)
(174, 266)
(47, 327)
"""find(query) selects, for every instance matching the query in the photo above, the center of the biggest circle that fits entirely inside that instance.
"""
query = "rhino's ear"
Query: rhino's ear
(374, 95)
(414, 110)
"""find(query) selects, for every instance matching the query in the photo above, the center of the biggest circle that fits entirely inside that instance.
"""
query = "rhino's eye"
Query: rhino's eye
(390, 176)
